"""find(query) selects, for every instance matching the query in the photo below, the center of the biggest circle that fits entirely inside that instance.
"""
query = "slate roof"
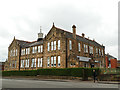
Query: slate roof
(79, 38)
(25, 44)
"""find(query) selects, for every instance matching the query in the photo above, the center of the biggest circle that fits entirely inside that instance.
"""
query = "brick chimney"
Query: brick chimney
(83, 35)
(74, 31)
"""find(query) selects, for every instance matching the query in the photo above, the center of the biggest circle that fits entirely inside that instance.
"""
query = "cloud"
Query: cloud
(23, 18)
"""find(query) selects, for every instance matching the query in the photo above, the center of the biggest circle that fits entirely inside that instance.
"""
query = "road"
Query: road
(16, 83)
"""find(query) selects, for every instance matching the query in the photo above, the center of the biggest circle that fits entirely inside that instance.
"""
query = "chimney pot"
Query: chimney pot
(74, 31)
(83, 35)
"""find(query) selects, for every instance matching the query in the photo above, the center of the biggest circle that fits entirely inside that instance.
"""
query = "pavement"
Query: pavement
(59, 80)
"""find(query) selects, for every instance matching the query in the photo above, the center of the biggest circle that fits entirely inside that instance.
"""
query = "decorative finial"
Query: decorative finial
(53, 24)
(40, 30)
(14, 37)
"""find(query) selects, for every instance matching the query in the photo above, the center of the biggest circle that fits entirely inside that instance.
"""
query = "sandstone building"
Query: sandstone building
(58, 49)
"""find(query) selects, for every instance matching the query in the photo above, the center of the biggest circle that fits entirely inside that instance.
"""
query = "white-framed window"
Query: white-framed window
(48, 61)
(33, 62)
(22, 63)
(99, 52)
(58, 44)
(102, 52)
(51, 45)
(13, 52)
(38, 48)
(16, 52)
(48, 46)
(70, 44)
(58, 61)
(79, 47)
(54, 61)
(34, 49)
(40, 62)
(84, 48)
(96, 50)
(24, 51)
(27, 63)
(91, 49)
(41, 48)
(15, 63)
(54, 45)
(27, 50)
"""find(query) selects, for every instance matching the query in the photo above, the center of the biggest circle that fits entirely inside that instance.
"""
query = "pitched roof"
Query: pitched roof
(25, 44)
(79, 38)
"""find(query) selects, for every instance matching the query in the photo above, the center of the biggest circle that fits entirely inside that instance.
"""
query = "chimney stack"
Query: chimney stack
(83, 35)
(74, 31)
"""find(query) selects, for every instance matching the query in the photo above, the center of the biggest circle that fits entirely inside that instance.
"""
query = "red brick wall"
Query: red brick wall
(106, 60)
(113, 63)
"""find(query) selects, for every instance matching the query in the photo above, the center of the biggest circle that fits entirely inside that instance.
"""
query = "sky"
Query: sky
(98, 19)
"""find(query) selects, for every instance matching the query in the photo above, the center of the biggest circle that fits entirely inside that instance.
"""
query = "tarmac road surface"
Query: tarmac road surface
(22, 83)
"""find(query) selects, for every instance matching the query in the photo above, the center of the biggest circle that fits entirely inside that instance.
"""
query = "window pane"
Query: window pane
(48, 46)
(58, 44)
(70, 44)
(48, 61)
(54, 61)
(54, 45)
(41, 62)
(41, 48)
(38, 48)
(58, 60)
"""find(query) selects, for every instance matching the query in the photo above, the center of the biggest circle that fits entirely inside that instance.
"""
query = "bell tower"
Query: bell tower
(40, 35)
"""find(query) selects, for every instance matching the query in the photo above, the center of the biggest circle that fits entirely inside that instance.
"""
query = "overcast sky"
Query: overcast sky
(98, 19)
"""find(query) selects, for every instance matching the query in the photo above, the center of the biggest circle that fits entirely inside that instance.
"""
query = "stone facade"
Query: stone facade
(58, 49)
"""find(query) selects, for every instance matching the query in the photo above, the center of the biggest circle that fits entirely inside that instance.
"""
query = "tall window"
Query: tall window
(16, 52)
(96, 50)
(15, 63)
(27, 63)
(35, 49)
(58, 61)
(79, 47)
(54, 45)
(70, 44)
(39, 62)
(48, 61)
(48, 46)
(58, 44)
(38, 48)
(13, 52)
(102, 52)
(33, 62)
(99, 52)
(54, 61)
(22, 63)
(84, 48)
(41, 48)
(91, 49)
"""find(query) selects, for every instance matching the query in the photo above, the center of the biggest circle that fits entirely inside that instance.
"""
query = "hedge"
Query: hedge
(75, 72)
